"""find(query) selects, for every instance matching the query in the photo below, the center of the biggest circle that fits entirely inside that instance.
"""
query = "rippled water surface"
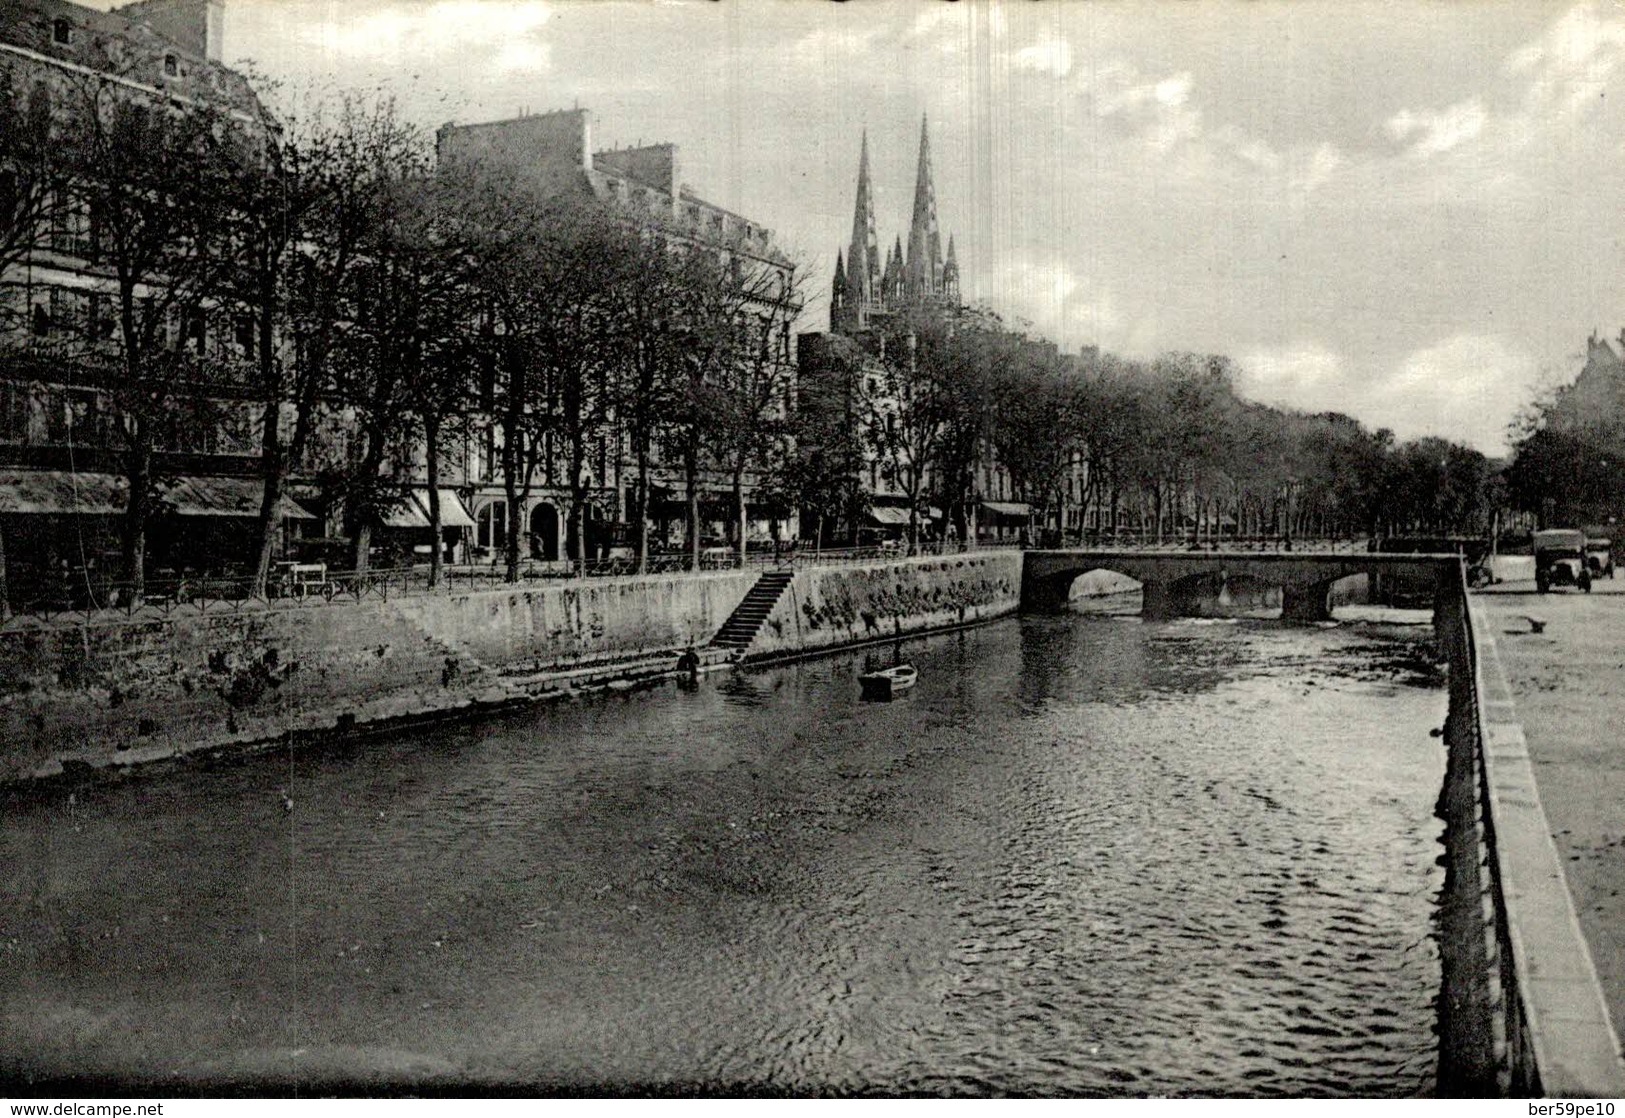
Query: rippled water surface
(1085, 855)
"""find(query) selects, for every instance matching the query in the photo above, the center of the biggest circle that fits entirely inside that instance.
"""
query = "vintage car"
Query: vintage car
(1560, 559)
(1600, 557)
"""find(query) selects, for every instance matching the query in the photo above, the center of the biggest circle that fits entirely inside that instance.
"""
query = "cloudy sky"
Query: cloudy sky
(1412, 213)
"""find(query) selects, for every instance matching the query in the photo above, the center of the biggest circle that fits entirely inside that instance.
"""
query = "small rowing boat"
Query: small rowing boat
(887, 682)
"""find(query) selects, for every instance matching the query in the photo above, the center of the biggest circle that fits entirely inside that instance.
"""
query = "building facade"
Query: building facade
(64, 433)
(554, 152)
(849, 371)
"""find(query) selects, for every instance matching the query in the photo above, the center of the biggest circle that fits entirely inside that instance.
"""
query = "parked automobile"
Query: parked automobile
(1600, 557)
(1560, 559)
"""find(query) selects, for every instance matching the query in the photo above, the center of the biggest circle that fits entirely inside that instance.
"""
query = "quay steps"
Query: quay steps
(740, 630)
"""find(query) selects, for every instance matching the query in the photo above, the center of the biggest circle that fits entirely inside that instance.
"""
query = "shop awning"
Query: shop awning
(452, 512)
(1008, 508)
(61, 493)
(228, 496)
(406, 513)
(888, 517)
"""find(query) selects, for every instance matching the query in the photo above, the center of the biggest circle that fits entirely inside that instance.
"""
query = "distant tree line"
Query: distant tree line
(1165, 448)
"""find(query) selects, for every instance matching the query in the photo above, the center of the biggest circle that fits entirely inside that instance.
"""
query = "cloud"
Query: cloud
(1467, 387)
(1302, 375)
(1159, 109)
(1568, 67)
(1433, 133)
(1070, 308)
(1316, 168)
(1051, 56)
(446, 27)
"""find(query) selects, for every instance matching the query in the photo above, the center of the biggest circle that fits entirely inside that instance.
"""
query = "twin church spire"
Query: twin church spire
(864, 284)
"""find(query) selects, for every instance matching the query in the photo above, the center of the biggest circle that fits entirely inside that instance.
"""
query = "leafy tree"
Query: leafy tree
(550, 272)
(748, 399)
(33, 171)
(392, 306)
(822, 473)
(718, 364)
(904, 410)
(157, 184)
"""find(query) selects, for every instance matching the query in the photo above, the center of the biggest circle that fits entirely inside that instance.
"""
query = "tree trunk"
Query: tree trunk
(643, 506)
(273, 457)
(437, 559)
(743, 518)
(266, 522)
(136, 509)
(362, 518)
(691, 478)
(5, 593)
(513, 461)
(510, 546)
(362, 552)
(577, 532)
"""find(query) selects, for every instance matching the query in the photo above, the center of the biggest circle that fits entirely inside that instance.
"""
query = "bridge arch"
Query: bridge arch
(1177, 584)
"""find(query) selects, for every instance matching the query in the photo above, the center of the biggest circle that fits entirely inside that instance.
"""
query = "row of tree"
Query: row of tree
(1163, 446)
(407, 301)
(402, 301)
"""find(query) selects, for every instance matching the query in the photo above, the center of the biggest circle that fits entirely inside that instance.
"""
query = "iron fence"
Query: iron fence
(86, 597)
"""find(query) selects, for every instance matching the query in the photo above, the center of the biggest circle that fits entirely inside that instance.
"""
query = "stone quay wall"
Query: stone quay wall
(831, 607)
(110, 691)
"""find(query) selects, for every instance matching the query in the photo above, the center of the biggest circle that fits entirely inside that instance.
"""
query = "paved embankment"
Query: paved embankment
(1563, 654)
(114, 691)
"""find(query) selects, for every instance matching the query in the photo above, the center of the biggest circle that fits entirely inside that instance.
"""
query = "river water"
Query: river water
(1087, 855)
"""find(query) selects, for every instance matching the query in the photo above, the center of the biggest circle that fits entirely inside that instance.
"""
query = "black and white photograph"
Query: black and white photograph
(786, 549)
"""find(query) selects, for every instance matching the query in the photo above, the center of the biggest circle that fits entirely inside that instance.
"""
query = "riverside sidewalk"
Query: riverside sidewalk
(1568, 685)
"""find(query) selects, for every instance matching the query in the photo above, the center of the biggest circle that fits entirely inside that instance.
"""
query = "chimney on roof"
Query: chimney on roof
(194, 25)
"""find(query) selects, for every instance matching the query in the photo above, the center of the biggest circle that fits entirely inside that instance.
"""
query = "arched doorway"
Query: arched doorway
(544, 532)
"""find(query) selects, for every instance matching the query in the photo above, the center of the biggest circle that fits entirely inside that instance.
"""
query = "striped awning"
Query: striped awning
(452, 512)
(413, 512)
(887, 516)
(1008, 508)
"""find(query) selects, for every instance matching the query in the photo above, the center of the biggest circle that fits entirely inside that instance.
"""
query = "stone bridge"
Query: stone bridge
(1181, 583)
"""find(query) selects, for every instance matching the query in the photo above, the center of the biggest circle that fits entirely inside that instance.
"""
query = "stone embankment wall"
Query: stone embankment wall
(827, 607)
(115, 690)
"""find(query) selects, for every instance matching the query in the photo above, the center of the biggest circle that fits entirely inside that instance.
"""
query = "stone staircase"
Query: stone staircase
(741, 628)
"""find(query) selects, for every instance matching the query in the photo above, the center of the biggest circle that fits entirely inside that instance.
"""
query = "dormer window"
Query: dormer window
(172, 66)
(61, 31)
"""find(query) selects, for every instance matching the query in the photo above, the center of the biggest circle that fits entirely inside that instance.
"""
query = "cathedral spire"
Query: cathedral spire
(924, 241)
(863, 258)
(891, 280)
(837, 294)
(950, 273)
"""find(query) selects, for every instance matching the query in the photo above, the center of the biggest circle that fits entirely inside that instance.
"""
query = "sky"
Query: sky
(1407, 212)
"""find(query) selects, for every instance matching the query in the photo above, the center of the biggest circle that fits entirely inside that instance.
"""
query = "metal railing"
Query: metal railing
(85, 597)
(1133, 541)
